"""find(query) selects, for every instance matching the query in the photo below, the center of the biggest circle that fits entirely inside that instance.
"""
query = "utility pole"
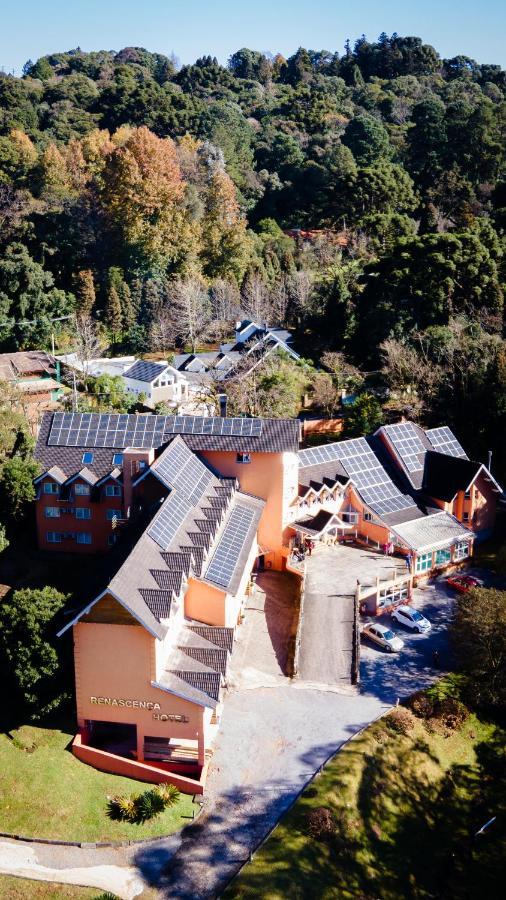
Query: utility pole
(74, 392)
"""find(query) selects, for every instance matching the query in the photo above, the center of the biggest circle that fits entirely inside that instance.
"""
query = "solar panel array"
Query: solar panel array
(444, 441)
(143, 370)
(365, 470)
(123, 430)
(166, 523)
(179, 468)
(224, 559)
(408, 445)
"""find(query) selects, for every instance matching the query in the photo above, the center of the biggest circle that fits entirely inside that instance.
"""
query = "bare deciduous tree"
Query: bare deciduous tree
(87, 341)
(255, 299)
(300, 289)
(162, 330)
(191, 310)
(225, 300)
(324, 394)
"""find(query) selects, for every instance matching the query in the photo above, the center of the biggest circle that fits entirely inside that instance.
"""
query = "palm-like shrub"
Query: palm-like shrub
(148, 805)
(169, 794)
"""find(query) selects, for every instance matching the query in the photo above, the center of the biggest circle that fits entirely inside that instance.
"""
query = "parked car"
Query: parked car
(411, 618)
(383, 636)
(463, 583)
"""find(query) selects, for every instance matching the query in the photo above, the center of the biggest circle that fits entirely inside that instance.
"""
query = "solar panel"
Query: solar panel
(122, 430)
(444, 441)
(408, 445)
(179, 468)
(366, 472)
(228, 551)
(170, 518)
(143, 370)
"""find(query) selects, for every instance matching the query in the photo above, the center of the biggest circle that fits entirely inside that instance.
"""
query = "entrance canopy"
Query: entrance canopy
(316, 526)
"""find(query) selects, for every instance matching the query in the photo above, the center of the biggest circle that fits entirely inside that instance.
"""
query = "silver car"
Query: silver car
(411, 618)
(383, 636)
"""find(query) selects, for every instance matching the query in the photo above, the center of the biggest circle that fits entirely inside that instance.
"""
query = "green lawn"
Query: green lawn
(46, 792)
(22, 888)
(404, 809)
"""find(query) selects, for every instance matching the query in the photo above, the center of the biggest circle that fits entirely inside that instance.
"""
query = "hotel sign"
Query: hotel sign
(132, 704)
(140, 704)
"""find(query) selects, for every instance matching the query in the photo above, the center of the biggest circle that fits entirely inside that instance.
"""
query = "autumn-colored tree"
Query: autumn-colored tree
(226, 247)
(142, 196)
(85, 291)
(53, 173)
(113, 314)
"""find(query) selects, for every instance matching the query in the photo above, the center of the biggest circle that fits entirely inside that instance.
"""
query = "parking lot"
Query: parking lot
(392, 675)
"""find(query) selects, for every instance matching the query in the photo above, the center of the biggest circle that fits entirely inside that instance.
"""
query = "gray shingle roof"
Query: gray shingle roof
(222, 637)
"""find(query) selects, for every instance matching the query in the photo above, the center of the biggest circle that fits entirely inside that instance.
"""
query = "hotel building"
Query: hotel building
(209, 500)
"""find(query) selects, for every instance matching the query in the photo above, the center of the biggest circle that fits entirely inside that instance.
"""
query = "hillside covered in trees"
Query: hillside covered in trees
(154, 202)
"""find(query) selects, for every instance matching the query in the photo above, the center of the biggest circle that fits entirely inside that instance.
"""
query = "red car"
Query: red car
(463, 583)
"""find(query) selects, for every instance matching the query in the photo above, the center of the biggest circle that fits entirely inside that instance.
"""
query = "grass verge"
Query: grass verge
(46, 792)
(403, 809)
(20, 888)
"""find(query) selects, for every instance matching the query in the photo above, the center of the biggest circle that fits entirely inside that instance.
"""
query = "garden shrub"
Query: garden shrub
(421, 705)
(321, 823)
(148, 805)
(141, 807)
(451, 712)
(401, 720)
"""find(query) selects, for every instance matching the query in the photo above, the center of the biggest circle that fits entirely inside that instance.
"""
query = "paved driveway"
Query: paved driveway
(327, 624)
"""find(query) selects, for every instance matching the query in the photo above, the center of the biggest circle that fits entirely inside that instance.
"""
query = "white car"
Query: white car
(383, 636)
(411, 618)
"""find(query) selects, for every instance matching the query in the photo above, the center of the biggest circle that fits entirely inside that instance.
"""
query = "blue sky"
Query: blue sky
(190, 28)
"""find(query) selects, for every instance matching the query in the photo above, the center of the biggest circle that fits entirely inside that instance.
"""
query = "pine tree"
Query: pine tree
(127, 306)
(85, 291)
(113, 315)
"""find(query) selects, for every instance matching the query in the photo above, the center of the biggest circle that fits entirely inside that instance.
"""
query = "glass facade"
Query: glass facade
(443, 557)
(424, 562)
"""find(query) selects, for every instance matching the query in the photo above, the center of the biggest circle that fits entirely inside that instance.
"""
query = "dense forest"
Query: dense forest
(358, 199)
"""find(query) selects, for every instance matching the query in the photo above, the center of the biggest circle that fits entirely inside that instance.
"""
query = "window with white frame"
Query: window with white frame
(83, 537)
(461, 550)
(392, 595)
(51, 488)
(350, 515)
(81, 490)
(243, 457)
(111, 514)
(83, 512)
(53, 537)
(424, 562)
(52, 512)
(112, 490)
(367, 517)
(443, 557)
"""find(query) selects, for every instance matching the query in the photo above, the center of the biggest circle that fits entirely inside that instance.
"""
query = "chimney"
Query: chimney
(223, 405)
(489, 463)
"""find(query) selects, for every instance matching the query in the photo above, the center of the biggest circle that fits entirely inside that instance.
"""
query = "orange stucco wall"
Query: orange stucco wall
(205, 603)
(273, 477)
(101, 652)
